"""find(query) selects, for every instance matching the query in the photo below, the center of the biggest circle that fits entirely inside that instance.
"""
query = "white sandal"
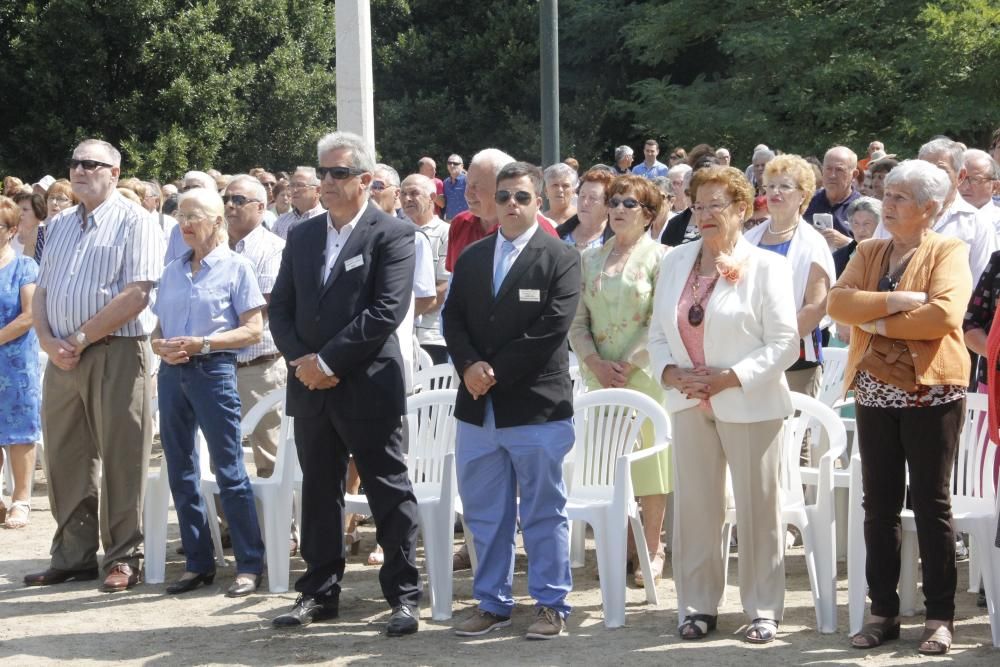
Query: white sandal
(14, 521)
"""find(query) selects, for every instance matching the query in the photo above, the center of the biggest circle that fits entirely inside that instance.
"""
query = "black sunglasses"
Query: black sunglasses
(522, 197)
(237, 200)
(628, 202)
(88, 165)
(338, 173)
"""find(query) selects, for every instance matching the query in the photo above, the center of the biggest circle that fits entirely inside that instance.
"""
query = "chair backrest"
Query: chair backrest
(831, 388)
(431, 378)
(608, 424)
(810, 413)
(976, 455)
(430, 420)
(285, 457)
(424, 360)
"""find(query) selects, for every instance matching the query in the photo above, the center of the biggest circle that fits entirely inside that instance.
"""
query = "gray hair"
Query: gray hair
(456, 156)
(152, 189)
(944, 146)
(309, 172)
(621, 152)
(255, 187)
(925, 181)
(494, 157)
(561, 170)
(203, 180)
(425, 184)
(210, 202)
(113, 155)
(680, 169)
(765, 153)
(866, 204)
(665, 185)
(976, 155)
(361, 155)
(392, 176)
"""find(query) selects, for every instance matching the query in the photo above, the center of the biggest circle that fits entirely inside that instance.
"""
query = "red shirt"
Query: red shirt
(466, 229)
(439, 187)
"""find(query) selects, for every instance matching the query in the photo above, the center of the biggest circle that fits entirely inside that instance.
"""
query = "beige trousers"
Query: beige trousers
(702, 447)
(96, 420)
(253, 383)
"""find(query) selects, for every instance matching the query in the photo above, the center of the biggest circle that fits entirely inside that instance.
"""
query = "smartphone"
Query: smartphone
(823, 221)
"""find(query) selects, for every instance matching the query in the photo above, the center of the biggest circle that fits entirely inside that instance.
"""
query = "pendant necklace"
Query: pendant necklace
(696, 313)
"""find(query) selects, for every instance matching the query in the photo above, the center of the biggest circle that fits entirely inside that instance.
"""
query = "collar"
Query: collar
(249, 238)
(219, 253)
(521, 240)
(350, 225)
(99, 213)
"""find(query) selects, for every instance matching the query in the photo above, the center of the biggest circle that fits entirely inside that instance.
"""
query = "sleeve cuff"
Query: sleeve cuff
(322, 364)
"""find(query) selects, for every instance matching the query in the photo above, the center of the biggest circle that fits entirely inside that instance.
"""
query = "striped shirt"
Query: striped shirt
(290, 218)
(263, 249)
(84, 269)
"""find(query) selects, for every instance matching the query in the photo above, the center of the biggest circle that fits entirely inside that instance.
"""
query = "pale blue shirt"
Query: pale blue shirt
(210, 302)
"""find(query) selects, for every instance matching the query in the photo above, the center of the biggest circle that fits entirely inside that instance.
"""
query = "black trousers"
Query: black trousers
(323, 445)
(925, 440)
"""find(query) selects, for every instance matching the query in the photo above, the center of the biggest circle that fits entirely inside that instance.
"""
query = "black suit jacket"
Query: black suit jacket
(673, 235)
(350, 319)
(523, 339)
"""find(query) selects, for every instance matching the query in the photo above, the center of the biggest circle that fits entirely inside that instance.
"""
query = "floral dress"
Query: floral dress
(20, 376)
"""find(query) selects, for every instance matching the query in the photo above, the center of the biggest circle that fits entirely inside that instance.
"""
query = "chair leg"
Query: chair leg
(990, 569)
(155, 514)
(975, 569)
(438, 538)
(213, 527)
(611, 554)
(642, 549)
(577, 543)
(857, 583)
(276, 520)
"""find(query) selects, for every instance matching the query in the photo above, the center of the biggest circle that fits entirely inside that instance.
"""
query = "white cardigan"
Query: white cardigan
(750, 327)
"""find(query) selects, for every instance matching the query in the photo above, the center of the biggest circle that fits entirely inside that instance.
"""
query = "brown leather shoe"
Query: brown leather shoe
(121, 577)
(54, 576)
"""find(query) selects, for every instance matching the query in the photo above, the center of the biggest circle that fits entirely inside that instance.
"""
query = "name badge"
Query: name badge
(530, 295)
(354, 262)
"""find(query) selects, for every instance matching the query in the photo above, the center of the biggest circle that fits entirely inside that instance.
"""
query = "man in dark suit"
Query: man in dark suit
(513, 296)
(344, 285)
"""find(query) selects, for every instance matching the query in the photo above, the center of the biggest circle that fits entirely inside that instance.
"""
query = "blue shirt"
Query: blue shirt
(658, 169)
(210, 302)
(454, 197)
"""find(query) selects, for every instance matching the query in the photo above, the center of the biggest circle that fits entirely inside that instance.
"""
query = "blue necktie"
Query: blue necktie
(503, 265)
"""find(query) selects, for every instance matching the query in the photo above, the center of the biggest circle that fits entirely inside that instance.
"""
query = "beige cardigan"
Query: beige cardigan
(933, 332)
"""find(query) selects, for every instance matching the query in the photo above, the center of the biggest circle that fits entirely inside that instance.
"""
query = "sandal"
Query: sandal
(18, 515)
(376, 557)
(697, 626)
(875, 634)
(656, 562)
(937, 641)
(762, 631)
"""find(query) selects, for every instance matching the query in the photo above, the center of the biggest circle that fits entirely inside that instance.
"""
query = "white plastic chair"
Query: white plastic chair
(579, 386)
(816, 521)
(273, 494)
(440, 376)
(430, 462)
(607, 424)
(424, 359)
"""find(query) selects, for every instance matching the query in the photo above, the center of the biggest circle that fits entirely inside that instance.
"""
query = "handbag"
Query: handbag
(890, 361)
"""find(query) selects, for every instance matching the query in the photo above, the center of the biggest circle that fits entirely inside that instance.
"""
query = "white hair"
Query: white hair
(925, 181)
(944, 146)
(113, 155)
(308, 172)
(255, 187)
(201, 178)
(765, 153)
(422, 182)
(392, 176)
(492, 157)
(680, 169)
(361, 154)
(210, 203)
(561, 170)
(976, 155)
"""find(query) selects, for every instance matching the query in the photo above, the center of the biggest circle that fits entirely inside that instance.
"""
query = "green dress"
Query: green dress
(612, 320)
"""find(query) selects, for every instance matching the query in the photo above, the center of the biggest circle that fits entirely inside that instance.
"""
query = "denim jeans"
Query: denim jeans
(202, 394)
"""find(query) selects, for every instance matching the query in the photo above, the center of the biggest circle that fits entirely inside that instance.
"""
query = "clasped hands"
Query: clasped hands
(701, 382)
(611, 374)
(64, 353)
(311, 374)
(478, 379)
(177, 350)
(896, 302)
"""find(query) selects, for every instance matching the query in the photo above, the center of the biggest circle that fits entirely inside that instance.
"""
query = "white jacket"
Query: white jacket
(750, 327)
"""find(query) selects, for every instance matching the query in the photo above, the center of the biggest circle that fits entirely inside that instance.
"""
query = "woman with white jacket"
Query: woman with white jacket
(723, 331)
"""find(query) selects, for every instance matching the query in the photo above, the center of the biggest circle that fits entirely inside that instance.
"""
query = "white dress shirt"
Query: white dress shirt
(519, 243)
(335, 242)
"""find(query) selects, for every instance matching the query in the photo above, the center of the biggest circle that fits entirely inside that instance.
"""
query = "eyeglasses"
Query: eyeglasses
(975, 180)
(188, 218)
(237, 200)
(338, 173)
(377, 186)
(782, 188)
(713, 209)
(412, 194)
(88, 165)
(454, 164)
(522, 197)
(302, 186)
(628, 202)
(59, 199)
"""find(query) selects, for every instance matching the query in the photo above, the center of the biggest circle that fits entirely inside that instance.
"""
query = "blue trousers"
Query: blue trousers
(493, 465)
(202, 394)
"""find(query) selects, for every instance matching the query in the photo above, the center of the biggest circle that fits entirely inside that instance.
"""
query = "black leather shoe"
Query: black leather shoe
(306, 610)
(244, 584)
(54, 576)
(186, 585)
(403, 621)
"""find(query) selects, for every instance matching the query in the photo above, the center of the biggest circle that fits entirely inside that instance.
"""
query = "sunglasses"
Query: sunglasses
(521, 197)
(338, 173)
(377, 186)
(237, 200)
(628, 202)
(454, 164)
(88, 165)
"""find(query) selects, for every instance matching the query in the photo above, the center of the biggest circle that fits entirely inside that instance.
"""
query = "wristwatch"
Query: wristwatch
(206, 345)
(80, 338)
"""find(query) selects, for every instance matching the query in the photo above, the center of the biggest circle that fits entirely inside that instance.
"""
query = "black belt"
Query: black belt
(262, 359)
(107, 339)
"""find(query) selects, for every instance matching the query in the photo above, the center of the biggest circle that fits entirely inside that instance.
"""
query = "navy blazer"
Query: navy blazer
(350, 319)
(521, 332)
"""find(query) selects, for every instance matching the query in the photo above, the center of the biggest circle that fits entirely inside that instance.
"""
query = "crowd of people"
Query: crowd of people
(711, 289)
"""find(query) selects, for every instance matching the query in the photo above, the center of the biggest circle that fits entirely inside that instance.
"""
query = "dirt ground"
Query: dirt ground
(75, 622)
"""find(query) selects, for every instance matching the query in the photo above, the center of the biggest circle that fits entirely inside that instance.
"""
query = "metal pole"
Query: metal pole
(548, 16)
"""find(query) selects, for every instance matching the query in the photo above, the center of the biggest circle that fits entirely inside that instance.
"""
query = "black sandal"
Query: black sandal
(875, 634)
(691, 627)
(766, 629)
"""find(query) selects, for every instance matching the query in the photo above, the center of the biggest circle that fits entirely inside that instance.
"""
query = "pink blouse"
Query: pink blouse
(694, 337)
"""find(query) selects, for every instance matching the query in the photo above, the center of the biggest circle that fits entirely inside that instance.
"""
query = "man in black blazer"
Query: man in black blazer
(344, 285)
(512, 299)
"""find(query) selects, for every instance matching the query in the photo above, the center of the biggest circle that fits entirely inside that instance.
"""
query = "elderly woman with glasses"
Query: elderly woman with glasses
(863, 217)
(789, 183)
(560, 190)
(209, 305)
(58, 198)
(905, 299)
(723, 331)
(589, 227)
(610, 331)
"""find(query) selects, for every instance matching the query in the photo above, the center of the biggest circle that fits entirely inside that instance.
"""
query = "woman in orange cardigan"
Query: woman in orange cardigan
(905, 298)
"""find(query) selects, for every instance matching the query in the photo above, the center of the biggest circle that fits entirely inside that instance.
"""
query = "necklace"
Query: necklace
(696, 313)
(770, 228)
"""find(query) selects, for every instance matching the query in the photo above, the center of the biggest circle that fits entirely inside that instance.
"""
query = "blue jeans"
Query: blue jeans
(202, 394)
(493, 464)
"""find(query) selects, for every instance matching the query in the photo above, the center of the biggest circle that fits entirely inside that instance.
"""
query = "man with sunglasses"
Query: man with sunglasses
(513, 296)
(102, 258)
(305, 201)
(342, 290)
(454, 188)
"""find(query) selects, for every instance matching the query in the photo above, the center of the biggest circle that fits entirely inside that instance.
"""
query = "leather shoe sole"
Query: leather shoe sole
(53, 576)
